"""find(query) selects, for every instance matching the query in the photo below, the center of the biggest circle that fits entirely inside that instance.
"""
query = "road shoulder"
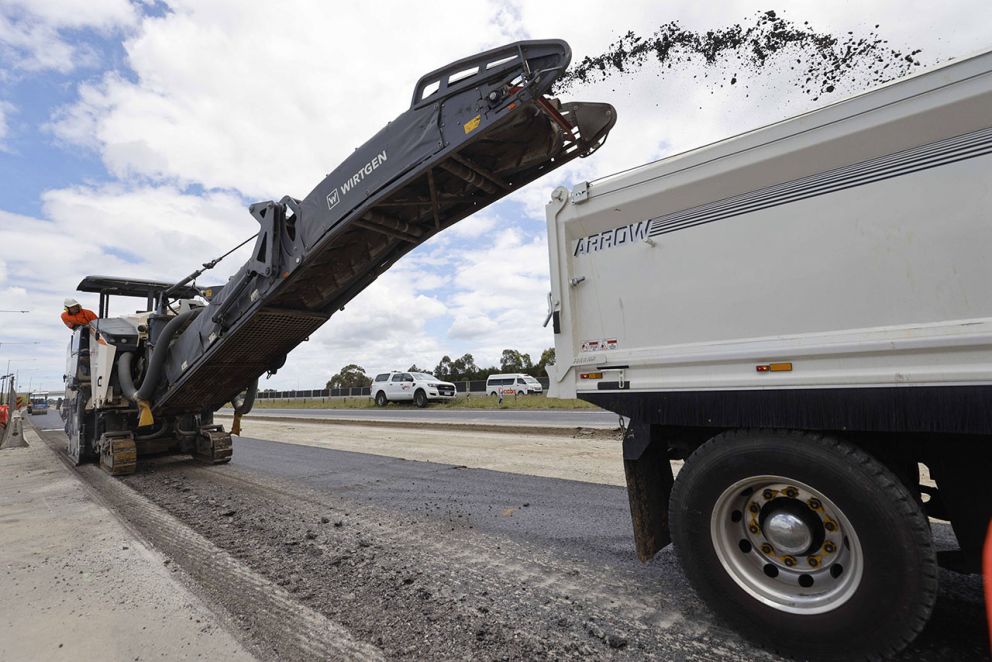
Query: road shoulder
(79, 585)
(587, 456)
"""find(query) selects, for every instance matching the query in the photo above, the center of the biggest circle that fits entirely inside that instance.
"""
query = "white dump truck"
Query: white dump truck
(803, 313)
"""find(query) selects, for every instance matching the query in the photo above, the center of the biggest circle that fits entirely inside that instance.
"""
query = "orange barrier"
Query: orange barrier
(987, 573)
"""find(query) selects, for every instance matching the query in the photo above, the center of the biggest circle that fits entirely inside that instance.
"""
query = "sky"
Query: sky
(134, 135)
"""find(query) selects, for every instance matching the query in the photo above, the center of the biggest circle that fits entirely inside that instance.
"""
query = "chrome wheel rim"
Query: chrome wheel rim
(786, 544)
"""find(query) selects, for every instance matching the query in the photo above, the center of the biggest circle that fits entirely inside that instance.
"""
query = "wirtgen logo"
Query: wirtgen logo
(335, 196)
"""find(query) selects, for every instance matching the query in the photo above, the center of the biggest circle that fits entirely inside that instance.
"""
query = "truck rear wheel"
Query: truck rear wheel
(806, 544)
(380, 399)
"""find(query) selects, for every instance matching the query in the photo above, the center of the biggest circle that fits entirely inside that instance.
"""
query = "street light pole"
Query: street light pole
(30, 342)
(13, 383)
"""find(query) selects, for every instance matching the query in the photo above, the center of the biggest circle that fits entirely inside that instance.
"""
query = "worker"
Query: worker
(75, 315)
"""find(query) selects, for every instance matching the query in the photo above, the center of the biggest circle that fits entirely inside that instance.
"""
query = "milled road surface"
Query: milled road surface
(588, 418)
(47, 421)
(425, 560)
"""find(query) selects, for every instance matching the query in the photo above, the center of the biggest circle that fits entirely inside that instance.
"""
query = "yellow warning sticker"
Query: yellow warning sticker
(473, 124)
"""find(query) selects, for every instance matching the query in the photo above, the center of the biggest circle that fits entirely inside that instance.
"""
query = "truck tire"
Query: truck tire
(805, 544)
(380, 399)
(420, 398)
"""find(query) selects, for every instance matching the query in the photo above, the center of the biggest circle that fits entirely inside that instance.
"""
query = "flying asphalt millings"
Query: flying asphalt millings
(820, 61)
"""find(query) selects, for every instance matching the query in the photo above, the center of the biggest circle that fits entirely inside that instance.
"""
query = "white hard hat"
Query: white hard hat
(69, 303)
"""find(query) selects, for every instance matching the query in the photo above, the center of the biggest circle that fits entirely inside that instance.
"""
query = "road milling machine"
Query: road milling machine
(476, 130)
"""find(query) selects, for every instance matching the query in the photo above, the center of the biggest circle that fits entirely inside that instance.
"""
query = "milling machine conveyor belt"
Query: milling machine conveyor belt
(477, 130)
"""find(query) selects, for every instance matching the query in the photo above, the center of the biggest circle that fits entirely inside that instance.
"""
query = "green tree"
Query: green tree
(464, 368)
(547, 358)
(514, 361)
(351, 376)
(443, 369)
(414, 368)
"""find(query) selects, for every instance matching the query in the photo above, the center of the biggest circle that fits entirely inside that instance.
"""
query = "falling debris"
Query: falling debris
(820, 61)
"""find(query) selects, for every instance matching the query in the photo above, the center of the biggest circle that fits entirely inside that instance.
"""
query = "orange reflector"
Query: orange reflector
(774, 367)
(591, 375)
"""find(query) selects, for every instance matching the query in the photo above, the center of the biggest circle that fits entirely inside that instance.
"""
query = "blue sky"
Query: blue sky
(134, 135)
(31, 162)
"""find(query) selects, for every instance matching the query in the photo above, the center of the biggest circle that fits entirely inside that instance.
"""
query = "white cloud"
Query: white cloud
(99, 14)
(266, 111)
(229, 96)
(474, 226)
(156, 233)
(384, 328)
(6, 108)
(32, 46)
(32, 32)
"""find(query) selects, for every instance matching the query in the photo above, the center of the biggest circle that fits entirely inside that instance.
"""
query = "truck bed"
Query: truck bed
(825, 272)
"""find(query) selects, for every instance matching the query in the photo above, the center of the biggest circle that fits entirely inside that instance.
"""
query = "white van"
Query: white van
(512, 384)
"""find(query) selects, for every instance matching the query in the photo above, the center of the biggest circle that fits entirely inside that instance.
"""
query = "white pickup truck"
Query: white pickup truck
(417, 387)
(804, 314)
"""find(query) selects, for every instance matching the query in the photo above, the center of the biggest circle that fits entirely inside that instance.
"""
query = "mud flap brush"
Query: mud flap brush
(145, 418)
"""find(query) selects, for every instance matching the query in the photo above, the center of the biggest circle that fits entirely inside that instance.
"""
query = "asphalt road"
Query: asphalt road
(424, 560)
(48, 421)
(518, 417)
(534, 567)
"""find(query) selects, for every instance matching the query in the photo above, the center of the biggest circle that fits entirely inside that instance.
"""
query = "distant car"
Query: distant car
(418, 387)
(513, 384)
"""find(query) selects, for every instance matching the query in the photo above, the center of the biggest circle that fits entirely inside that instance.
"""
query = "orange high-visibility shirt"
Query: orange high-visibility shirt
(82, 318)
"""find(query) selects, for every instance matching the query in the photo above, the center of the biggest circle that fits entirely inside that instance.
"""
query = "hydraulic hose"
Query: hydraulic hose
(244, 406)
(249, 400)
(161, 432)
(153, 372)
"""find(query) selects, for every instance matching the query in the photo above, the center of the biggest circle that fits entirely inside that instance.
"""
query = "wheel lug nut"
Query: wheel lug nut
(791, 492)
(829, 526)
(753, 528)
(813, 562)
(814, 504)
(767, 549)
(754, 508)
(767, 494)
(789, 561)
(829, 547)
